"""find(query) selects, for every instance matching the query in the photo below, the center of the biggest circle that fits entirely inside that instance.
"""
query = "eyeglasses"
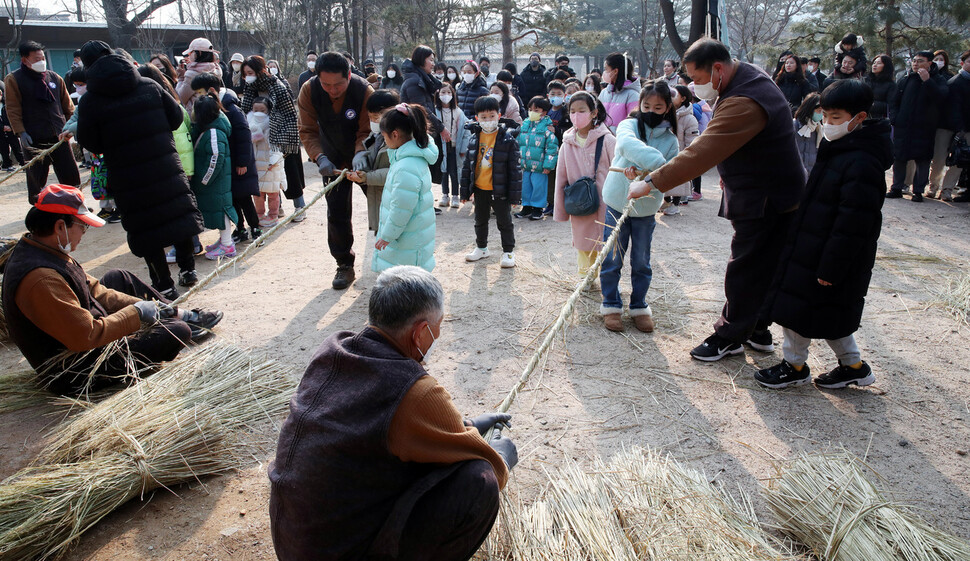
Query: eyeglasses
(84, 226)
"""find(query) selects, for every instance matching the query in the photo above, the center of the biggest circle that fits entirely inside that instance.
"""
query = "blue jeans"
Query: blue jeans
(639, 231)
(534, 186)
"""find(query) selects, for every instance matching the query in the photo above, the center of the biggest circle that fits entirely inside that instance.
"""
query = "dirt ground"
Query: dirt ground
(599, 391)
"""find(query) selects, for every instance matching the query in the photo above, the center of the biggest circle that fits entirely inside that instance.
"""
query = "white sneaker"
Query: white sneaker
(508, 260)
(455, 202)
(672, 209)
(299, 218)
(477, 253)
(444, 201)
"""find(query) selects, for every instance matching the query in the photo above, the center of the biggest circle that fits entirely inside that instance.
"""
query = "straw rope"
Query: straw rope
(257, 242)
(33, 161)
(567, 310)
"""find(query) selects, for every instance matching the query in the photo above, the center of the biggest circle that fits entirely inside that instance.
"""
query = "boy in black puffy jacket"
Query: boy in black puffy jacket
(824, 270)
(492, 173)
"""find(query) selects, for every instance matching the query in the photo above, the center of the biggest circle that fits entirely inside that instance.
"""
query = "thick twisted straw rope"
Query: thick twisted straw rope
(33, 161)
(257, 242)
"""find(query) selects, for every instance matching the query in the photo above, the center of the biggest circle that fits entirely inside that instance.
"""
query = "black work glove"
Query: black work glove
(484, 422)
(505, 448)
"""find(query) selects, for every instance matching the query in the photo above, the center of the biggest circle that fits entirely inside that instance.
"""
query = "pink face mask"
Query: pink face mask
(580, 120)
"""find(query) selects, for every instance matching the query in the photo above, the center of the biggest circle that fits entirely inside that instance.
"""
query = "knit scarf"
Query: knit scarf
(42, 90)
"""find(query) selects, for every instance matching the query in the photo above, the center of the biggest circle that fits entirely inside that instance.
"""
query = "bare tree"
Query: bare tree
(757, 25)
(124, 18)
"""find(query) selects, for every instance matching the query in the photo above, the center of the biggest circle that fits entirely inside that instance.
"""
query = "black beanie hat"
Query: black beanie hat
(92, 51)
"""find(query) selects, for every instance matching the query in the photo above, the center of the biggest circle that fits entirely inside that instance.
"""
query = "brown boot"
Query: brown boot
(613, 322)
(644, 323)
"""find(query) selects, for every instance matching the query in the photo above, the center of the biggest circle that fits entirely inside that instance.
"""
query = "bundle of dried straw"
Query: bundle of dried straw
(827, 502)
(640, 505)
(6, 246)
(176, 426)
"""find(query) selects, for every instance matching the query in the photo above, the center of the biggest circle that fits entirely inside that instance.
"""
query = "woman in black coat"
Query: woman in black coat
(792, 82)
(915, 114)
(392, 82)
(883, 86)
(130, 120)
(833, 237)
(471, 88)
(419, 87)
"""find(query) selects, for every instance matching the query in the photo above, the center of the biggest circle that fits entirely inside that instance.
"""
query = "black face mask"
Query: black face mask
(534, 64)
(369, 70)
(653, 120)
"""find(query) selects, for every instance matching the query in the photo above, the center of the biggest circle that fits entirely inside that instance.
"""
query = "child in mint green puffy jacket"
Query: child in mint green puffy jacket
(406, 232)
(539, 153)
(645, 141)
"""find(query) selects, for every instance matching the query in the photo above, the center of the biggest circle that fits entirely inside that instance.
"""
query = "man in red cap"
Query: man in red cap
(51, 305)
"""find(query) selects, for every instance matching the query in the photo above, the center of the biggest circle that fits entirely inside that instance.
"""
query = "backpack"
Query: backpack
(582, 198)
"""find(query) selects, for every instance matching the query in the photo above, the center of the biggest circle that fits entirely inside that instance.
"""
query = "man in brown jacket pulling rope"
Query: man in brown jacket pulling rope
(374, 461)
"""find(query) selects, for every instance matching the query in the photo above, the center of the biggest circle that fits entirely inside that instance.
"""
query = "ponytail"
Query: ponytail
(410, 118)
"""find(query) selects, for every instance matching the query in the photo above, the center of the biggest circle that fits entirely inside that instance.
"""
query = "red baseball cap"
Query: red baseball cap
(64, 199)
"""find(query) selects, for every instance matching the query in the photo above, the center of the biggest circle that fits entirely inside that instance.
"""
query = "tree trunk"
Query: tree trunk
(80, 13)
(223, 29)
(181, 13)
(698, 21)
(363, 31)
(508, 51)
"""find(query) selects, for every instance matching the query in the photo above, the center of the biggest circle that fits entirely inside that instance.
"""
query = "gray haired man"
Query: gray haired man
(374, 460)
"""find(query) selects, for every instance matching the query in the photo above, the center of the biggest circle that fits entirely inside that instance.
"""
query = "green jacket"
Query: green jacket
(538, 145)
(407, 209)
(212, 184)
(183, 144)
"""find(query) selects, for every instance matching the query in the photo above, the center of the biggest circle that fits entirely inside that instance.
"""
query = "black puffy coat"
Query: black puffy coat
(960, 102)
(130, 120)
(533, 82)
(833, 237)
(241, 149)
(468, 93)
(915, 114)
(883, 94)
(795, 90)
(506, 171)
(419, 87)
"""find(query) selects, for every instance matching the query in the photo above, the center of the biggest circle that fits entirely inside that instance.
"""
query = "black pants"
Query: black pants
(450, 521)
(920, 178)
(484, 204)
(295, 180)
(755, 249)
(9, 143)
(452, 163)
(65, 168)
(245, 208)
(551, 188)
(435, 168)
(696, 184)
(340, 229)
(161, 342)
(158, 266)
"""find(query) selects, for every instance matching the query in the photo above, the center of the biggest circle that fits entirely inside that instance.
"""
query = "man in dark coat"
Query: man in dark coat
(38, 104)
(374, 460)
(533, 79)
(311, 62)
(130, 120)
(960, 94)
(751, 141)
(562, 63)
(914, 115)
(824, 271)
(814, 67)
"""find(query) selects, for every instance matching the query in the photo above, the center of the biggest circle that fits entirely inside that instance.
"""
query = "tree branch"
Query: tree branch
(150, 9)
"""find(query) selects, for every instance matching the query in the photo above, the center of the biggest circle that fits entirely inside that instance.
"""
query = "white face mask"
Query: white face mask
(591, 88)
(274, 71)
(439, 77)
(260, 115)
(939, 63)
(81, 90)
(375, 127)
(452, 75)
(236, 66)
(391, 74)
(39, 66)
(489, 126)
(707, 91)
(468, 78)
(250, 79)
(811, 68)
(311, 64)
(835, 132)
(424, 355)
(445, 99)
(66, 248)
(497, 97)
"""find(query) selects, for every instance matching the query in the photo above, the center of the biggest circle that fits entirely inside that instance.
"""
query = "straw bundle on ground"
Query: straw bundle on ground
(19, 390)
(6, 246)
(176, 426)
(639, 506)
(827, 502)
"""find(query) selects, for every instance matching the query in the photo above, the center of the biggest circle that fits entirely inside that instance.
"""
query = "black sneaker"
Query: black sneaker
(170, 294)
(255, 233)
(715, 348)
(536, 214)
(437, 211)
(240, 236)
(917, 198)
(202, 323)
(844, 376)
(114, 217)
(343, 278)
(547, 211)
(188, 278)
(761, 341)
(783, 375)
(526, 212)
(104, 213)
(894, 194)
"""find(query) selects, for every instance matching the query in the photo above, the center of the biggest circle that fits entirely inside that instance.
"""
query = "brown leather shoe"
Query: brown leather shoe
(613, 322)
(343, 278)
(644, 323)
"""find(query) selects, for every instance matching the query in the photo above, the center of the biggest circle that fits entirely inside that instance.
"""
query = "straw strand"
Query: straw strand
(33, 161)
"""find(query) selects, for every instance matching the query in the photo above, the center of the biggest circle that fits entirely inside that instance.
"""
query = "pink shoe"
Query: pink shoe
(212, 246)
(695, 196)
(221, 251)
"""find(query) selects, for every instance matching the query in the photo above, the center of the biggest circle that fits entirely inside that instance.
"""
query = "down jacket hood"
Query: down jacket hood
(411, 150)
(113, 75)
